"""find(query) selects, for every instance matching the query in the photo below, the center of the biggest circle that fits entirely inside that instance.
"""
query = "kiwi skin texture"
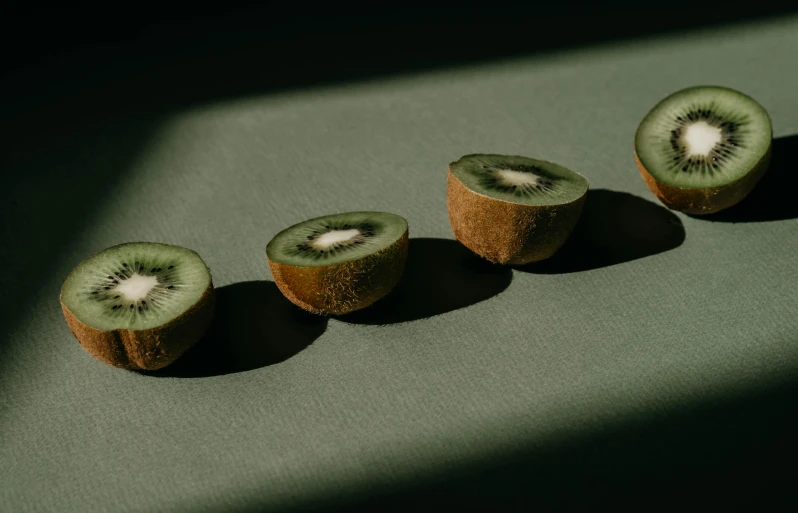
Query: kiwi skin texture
(509, 233)
(342, 288)
(707, 200)
(146, 350)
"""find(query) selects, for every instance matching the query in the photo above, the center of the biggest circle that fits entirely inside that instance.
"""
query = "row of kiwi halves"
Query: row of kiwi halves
(141, 305)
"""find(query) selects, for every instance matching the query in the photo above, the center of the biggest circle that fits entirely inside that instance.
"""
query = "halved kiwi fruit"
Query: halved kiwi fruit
(512, 209)
(339, 263)
(703, 149)
(140, 305)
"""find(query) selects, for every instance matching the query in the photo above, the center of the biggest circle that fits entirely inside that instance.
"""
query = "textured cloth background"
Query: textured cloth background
(633, 325)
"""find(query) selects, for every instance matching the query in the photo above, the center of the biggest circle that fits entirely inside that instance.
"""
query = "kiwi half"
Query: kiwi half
(703, 149)
(140, 305)
(512, 209)
(339, 263)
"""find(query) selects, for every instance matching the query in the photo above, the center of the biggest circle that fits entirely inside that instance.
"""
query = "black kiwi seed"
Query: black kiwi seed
(131, 307)
(171, 267)
(170, 287)
(95, 292)
(124, 265)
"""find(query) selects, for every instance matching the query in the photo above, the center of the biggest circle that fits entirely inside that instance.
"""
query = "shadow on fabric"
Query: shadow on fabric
(718, 452)
(773, 198)
(440, 276)
(254, 326)
(615, 227)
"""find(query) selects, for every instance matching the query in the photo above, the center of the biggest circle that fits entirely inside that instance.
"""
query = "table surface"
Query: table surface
(650, 328)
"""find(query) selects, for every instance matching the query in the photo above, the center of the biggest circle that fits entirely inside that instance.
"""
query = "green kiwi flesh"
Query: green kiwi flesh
(703, 137)
(521, 180)
(139, 305)
(336, 238)
(135, 286)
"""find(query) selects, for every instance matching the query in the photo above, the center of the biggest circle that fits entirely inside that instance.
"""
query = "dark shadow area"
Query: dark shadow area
(441, 275)
(53, 188)
(773, 198)
(730, 454)
(615, 227)
(235, 49)
(254, 326)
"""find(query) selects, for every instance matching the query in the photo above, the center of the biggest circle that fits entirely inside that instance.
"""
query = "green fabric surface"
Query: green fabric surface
(472, 365)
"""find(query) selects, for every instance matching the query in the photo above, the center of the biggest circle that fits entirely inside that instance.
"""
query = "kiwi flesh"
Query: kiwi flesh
(139, 305)
(703, 149)
(511, 209)
(336, 264)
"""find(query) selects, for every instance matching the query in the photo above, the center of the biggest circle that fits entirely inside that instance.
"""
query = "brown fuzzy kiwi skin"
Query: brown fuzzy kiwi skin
(145, 350)
(345, 287)
(508, 233)
(708, 200)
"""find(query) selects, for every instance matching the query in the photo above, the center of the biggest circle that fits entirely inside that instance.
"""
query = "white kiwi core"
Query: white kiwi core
(700, 138)
(330, 239)
(517, 178)
(136, 287)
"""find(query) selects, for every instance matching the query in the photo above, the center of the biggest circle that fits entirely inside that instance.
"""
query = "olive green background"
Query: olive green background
(554, 378)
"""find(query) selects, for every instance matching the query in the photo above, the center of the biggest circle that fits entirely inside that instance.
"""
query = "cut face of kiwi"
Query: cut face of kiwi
(339, 263)
(139, 306)
(703, 149)
(512, 209)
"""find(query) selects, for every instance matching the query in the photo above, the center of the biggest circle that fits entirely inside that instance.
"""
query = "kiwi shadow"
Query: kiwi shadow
(440, 276)
(615, 227)
(254, 326)
(773, 198)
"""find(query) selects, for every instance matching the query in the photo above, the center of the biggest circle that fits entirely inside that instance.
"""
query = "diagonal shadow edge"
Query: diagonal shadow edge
(329, 50)
(700, 450)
